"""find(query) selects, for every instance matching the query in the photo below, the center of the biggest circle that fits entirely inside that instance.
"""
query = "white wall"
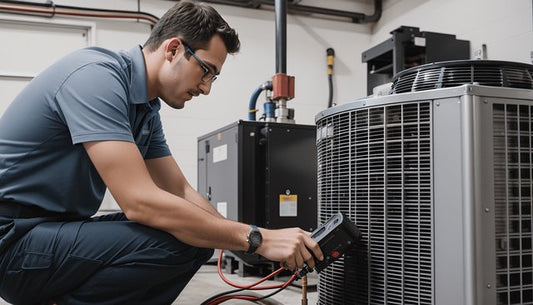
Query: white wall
(505, 26)
(30, 40)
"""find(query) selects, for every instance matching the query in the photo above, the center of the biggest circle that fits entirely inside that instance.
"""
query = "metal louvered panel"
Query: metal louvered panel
(405, 83)
(460, 72)
(518, 78)
(374, 164)
(513, 201)
(426, 80)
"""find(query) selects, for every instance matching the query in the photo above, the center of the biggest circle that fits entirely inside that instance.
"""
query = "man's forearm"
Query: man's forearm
(193, 196)
(187, 221)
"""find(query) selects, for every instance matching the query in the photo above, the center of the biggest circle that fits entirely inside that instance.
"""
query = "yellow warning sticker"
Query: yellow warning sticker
(288, 205)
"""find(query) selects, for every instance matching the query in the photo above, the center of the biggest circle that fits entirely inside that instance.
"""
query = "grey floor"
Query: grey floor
(207, 283)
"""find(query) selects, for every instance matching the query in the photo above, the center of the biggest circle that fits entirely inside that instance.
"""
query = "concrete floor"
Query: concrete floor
(207, 283)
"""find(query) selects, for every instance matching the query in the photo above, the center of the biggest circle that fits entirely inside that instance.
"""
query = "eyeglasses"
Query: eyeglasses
(208, 75)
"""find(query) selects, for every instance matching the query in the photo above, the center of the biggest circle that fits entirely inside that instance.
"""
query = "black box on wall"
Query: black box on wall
(261, 173)
(409, 47)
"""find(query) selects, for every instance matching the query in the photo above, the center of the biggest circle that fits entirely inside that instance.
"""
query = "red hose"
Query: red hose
(224, 298)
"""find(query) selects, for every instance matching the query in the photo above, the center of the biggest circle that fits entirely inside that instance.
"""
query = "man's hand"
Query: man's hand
(291, 247)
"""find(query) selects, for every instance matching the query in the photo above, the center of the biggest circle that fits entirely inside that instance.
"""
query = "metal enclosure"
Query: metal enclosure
(439, 183)
(409, 47)
(261, 173)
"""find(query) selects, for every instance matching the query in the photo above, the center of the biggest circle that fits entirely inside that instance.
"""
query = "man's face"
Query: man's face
(188, 73)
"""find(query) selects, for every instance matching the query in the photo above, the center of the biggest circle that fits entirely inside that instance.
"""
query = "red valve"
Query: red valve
(283, 86)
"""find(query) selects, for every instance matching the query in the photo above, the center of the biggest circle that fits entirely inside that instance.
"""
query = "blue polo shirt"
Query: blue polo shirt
(90, 95)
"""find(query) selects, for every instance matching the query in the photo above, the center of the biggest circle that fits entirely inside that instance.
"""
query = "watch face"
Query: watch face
(255, 238)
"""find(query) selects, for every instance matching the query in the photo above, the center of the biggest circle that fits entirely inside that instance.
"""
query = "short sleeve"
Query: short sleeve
(93, 103)
(158, 144)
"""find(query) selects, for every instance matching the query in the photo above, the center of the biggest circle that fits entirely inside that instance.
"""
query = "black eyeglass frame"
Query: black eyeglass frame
(208, 76)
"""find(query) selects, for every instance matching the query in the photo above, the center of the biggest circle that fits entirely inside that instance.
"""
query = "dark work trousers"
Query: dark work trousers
(103, 260)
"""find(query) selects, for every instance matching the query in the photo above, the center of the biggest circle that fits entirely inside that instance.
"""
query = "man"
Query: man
(91, 121)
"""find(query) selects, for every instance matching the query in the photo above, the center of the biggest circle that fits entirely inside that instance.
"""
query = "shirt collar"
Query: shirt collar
(138, 90)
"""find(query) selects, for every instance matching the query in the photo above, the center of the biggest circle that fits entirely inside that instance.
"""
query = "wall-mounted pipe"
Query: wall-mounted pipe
(50, 10)
(240, 3)
(295, 8)
(378, 9)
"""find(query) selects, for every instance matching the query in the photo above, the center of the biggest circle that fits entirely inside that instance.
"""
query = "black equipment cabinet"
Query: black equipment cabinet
(261, 173)
(408, 47)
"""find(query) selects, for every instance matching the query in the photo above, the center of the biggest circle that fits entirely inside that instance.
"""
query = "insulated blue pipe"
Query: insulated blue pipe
(253, 99)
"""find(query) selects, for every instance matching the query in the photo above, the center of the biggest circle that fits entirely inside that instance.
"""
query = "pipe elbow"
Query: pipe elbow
(253, 100)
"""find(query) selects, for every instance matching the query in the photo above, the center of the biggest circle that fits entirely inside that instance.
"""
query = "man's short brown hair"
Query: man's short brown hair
(195, 24)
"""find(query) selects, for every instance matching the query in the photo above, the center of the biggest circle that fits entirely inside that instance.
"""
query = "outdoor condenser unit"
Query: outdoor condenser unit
(438, 178)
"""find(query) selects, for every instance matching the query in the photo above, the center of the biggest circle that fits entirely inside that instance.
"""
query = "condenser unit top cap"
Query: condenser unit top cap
(459, 72)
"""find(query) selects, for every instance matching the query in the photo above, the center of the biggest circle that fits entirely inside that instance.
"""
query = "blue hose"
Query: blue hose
(253, 99)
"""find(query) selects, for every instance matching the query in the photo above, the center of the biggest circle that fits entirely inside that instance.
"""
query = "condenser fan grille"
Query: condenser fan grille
(457, 73)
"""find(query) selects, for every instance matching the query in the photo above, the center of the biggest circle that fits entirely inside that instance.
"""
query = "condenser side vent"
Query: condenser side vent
(513, 168)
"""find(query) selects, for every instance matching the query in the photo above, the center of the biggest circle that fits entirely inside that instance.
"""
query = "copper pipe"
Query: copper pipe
(50, 10)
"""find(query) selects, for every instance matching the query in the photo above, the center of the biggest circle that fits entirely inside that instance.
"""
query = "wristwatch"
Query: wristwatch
(254, 239)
